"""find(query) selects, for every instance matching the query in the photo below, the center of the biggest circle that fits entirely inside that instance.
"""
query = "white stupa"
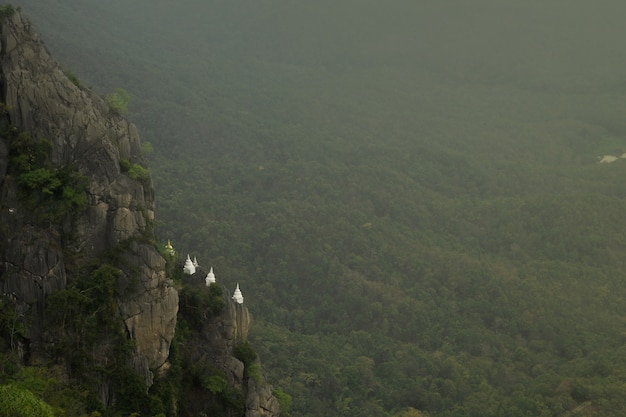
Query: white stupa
(237, 295)
(195, 262)
(210, 278)
(189, 268)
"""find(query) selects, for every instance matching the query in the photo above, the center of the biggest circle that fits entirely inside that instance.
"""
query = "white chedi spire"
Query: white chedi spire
(195, 262)
(210, 278)
(237, 295)
(189, 268)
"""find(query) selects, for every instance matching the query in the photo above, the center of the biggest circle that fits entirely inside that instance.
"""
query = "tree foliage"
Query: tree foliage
(16, 402)
(245, 353)
(13, 322)
(137, 172)
(118, 101)
(6, 11)
(199, 303)
(85, 321)
(49, 191)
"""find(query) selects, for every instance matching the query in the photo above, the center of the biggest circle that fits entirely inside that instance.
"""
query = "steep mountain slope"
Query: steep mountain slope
(86, 140)
(86, 305)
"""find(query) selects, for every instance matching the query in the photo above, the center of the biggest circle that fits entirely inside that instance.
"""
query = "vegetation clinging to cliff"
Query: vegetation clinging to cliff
(49, 192)
(6, 10)
(86, 346)
(86, 325)
(16, 402)
(198, 303)
(118, 101)
(198, 386)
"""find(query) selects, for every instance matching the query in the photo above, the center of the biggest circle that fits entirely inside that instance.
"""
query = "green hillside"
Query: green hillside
(408, 192)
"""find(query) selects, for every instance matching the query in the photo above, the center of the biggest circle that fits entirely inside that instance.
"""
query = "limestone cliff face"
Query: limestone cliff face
(36, 258)
(215, 344)
(87, 135)
(226, 331)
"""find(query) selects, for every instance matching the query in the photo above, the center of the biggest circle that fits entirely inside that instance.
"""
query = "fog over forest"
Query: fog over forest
(410, 193)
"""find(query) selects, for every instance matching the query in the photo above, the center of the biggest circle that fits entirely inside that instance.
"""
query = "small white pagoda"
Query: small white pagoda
(210, 278)
(189, 267)
(195, 262)
(237, 295)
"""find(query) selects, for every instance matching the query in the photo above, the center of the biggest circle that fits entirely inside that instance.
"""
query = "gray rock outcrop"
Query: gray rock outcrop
(86, 134)
(217, 341)
(38, 258)
(260, 402)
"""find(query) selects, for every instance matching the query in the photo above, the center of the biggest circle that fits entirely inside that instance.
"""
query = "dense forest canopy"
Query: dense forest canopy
(409, 192)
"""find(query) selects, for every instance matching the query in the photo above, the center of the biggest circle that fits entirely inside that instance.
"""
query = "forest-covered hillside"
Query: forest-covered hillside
(409, 193)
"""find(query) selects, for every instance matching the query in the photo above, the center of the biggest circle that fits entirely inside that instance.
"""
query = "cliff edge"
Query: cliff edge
(82, 283)
(82, 135)
(217, 349)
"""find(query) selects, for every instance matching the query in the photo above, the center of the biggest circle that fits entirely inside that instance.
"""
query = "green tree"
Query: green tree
(147, 148)
(41, 179)
(214, 383)
(245, 353)
(137, 172)
(18, 402)
(6, 11)
(12, 321)
(284, 400)
(118, 101)
(197, 303)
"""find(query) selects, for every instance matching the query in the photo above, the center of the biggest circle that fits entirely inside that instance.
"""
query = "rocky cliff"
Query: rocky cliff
(85, 134)
(217, 345)
(55, 133)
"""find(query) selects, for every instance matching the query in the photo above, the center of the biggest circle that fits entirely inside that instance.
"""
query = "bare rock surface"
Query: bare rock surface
(84, 133)
(215, 344)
